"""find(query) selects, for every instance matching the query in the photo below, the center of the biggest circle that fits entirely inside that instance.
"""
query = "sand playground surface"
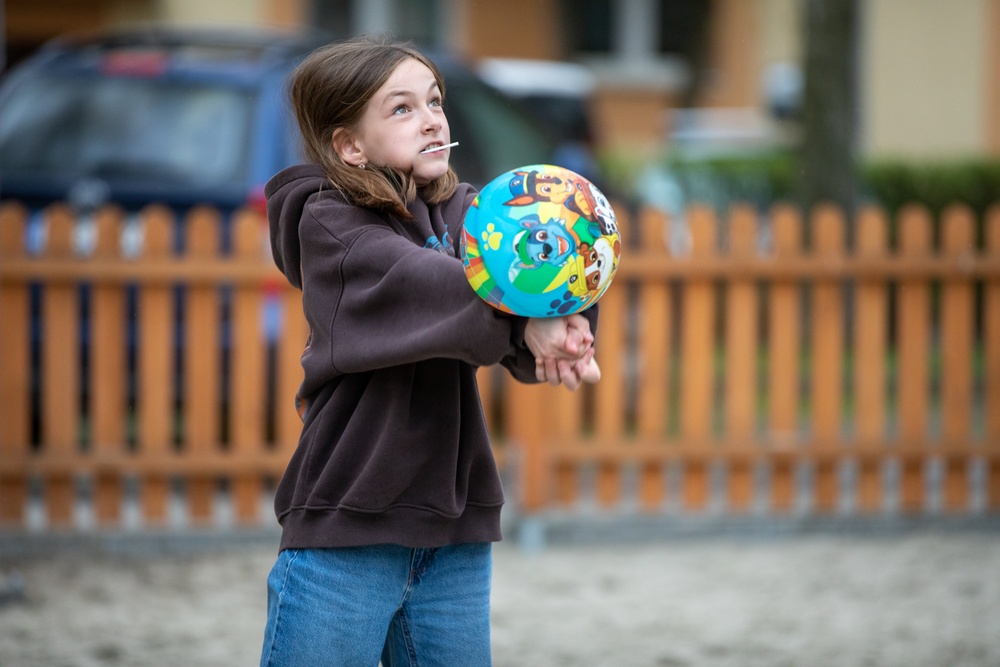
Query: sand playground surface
(921, 599)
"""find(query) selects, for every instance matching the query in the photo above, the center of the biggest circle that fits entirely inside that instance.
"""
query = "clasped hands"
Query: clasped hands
(563, 349)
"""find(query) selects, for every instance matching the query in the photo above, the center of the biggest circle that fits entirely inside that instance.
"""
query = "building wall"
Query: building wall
(31, 22)
(511, 29)
(28, 23)
(925, 84)
(930, 69)
(779, 26)
(735, 44)
(930, 72)
(992, 55)
(234, 12)
(217, 12)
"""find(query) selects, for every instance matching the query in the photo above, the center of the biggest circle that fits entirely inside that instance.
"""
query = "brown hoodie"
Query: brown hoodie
(394, 447)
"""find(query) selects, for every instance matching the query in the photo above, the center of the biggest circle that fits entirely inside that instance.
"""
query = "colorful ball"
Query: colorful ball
(540, 241)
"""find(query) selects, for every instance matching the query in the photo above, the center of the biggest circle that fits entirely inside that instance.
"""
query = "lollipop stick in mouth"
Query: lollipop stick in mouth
(439, 148)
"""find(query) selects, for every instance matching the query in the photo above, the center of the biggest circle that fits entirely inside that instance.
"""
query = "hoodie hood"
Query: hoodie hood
(287, 194)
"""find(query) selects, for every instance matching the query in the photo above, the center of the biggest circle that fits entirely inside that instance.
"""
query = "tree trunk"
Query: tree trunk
(830, 106)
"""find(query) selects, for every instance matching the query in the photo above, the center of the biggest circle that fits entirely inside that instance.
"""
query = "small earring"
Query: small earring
(361, 166)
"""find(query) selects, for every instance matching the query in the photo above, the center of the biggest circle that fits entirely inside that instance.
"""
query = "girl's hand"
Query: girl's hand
(578, 333)
(569, 373)
(558, 337)
(563, 349)
(547, 338)
(589, 371)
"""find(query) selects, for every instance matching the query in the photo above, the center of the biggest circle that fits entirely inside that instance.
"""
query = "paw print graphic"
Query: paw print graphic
(564, 305)
(492, 237)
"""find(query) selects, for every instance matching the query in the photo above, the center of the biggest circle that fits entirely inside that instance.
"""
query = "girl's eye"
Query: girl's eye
(401, 109)
(437, 102)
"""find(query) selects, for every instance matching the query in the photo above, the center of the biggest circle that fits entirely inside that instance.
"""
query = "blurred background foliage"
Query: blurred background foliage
(765, 177)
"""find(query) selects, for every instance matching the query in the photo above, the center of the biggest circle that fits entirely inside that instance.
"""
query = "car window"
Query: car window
(127, 128)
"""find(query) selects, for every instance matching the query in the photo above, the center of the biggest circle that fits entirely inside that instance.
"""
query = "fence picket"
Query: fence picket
(155, 366)
(202, 362)
(248, 375)
(957, 338)
(15, 380)
(827, 356)
(991, 345)
(913, 331)
(60, 388)
(741, 350)
(653, 363)
(526, 423)
(609, 402)
(784, 342)
(566, 426)
(870, 352)
(697, 364)
(108, 362)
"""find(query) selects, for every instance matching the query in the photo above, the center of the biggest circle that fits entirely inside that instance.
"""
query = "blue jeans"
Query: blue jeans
(350, 607)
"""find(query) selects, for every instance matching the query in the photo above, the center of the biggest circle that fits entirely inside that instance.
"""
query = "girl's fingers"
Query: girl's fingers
(571, 374)
(568, 375)
(552, 371)
(573, 342)
(591, 373)
(553, 337)
(581, 324)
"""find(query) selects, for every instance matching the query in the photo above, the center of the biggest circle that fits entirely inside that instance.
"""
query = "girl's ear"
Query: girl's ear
(346, 146)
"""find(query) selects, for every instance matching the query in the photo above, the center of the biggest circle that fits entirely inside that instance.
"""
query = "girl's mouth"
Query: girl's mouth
(434, 149)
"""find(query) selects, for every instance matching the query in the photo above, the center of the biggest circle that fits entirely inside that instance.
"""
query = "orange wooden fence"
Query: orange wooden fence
(748, 368)
(764, 375)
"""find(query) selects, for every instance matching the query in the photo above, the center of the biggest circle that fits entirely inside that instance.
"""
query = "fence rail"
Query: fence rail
(742, 375)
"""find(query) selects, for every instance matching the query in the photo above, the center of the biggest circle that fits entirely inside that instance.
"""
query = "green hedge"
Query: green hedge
(765, 178)
(935, 184)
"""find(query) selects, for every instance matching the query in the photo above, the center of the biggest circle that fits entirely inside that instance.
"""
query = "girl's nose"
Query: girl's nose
(432, 123)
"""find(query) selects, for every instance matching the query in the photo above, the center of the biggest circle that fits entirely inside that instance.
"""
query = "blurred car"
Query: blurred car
(185, 117)
(151, 115)
(557, 94)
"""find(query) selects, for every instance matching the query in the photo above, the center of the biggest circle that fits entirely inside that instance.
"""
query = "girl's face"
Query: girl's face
(403, 118)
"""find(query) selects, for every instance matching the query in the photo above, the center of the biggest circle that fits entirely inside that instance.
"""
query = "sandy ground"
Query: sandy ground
(926, 599)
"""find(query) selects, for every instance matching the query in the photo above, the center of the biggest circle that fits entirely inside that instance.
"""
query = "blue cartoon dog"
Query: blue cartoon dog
(542, 243)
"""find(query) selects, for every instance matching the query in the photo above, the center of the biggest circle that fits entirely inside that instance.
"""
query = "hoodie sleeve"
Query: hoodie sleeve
(376, 299)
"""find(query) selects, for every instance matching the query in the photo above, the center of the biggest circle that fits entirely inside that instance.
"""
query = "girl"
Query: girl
(392, 499)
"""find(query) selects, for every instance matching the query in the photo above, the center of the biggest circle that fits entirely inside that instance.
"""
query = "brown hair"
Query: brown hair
(330, 90)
